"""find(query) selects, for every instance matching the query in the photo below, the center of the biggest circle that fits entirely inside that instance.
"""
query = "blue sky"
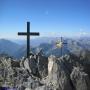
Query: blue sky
(49, 17)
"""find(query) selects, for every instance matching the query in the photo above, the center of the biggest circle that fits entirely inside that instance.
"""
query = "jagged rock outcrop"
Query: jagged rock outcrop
(45, 73)
(57, 74)
(43, 66)
(37, 65)
(80, 79)
(62, 76)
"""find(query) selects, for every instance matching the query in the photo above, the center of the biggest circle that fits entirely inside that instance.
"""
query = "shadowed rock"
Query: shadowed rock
(80, 79)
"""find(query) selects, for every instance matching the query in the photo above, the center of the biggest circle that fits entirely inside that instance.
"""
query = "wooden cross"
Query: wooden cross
(28, 34)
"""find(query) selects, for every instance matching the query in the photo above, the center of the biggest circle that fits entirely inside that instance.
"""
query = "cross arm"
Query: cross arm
(35, 33)
(31, 33)
(22, 33)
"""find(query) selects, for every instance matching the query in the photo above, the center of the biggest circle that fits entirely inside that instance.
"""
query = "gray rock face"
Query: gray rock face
(45, 73)
(80, 79)
(43, 66)
(37, 65)
(57, 75)
(61, 76)
(33, 65)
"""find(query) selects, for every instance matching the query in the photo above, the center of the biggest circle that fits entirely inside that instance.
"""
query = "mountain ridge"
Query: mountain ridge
(75, 46)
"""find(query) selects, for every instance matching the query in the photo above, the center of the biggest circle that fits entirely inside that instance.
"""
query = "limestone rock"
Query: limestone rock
(45, 73)
(57, 76)
(43, 66)
(80, 79)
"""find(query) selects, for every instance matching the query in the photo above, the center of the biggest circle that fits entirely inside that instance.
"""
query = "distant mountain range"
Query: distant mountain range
(17, 48)
(8, 47)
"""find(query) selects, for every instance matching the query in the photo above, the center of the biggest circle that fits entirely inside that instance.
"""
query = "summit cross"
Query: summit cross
(28, 34)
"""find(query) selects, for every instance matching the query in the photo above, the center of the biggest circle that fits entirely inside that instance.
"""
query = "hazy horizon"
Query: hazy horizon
(74, 37)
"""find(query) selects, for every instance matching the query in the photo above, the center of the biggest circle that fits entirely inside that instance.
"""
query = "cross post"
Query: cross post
(28, 34)
(63, 43)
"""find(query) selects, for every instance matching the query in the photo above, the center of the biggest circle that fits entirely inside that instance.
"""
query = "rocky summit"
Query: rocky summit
(38, 72)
